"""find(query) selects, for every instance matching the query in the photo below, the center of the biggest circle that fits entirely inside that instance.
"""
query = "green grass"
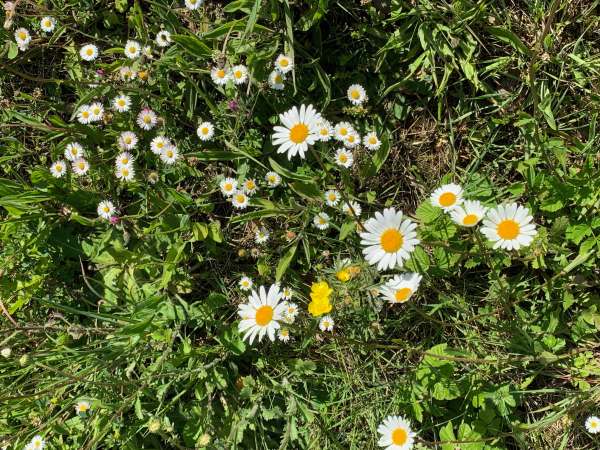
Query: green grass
(497, 349)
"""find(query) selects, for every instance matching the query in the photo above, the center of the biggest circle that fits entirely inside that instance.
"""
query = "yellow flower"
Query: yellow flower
(319, 294)
(343, 275)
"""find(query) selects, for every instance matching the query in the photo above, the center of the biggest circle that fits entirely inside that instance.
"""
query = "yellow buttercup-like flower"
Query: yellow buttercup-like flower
(343, 275)
(319, 294)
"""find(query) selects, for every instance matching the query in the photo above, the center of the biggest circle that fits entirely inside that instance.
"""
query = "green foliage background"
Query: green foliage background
(497, 351)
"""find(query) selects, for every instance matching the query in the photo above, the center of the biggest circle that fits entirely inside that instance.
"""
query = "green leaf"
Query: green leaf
(427, 213)
(346, 229)
(288, 173)
(308, 190)
(510, 38)
(193, 45)
(285, 261)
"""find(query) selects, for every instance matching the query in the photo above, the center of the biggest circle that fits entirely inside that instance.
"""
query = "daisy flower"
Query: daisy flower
(219, 76)
(324, 130)
(290, 312)
(84, 115)
(239, 74)
(82, 407)
(371, 141)
(228, 186)
(125, 173)
(273, 179)
(80, 166)
(193, 4)
(58, 169)
(592, 424)
(88, 52)
(124, 159)
(163, 38)
(352, 208)
(276, 80)
(326, 323)
(97, 111)
(205, 131)
(132, 49)
(332, 197)
(321, 221)
(249, 186)
(352, 139)
(342, 130)
(122, 103)
(158, 144)
(74, 150)
(105, 209)
(283, 335)
(284, 64)
(509, 226)
(127, 73)
(356, 94)
(47, 24)
(468, 214)
(286, 294)
(245, 283)
(22, 38)
(299, 131)
(344, 158)
(261, 315)
(146, 119)
(169, 155)
(239, 200)
(395, 434)
(400, 288)
(447, 196)
(127, 140)
(261, 235)
(389, 239)
(37, 443)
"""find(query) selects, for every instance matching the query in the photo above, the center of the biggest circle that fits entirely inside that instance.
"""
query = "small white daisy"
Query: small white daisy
(97, 111)
(22, 38)
(125, 173)
(80, 166)
(447, 197)
(228, 186)
(396, 434)
(287, 293)
(239, 74)
(371, 141)
(352, 208)
(163, 38)
(298, 131)
(592, 424)
(324, 130)
(193, 4)
(400, 288)
(249, 186)
(261, 315)
(132, 49)
(261, 235)
(146, 119)
(273, 179)
(73, 151)
(352, 139)
(332, 197)
(47, 24)
(158, 144)
(127, 73)
(321, 221)
(283, 335)
(356, 94)
(468, 214)
(509, 227)
(88, 52)
(124, 159)
(344, 158)
(106, 209)
(284, 64)
(37, 443)
(84, 115)
(219, 76)
(122, 103)
(276, 80)
(58, 169)
(239, 200)
(290, 312)
(326, 323)
(205, 131)
(341, 130)
(82, 407)
(127, 140)
(245, 283)
(169, 155)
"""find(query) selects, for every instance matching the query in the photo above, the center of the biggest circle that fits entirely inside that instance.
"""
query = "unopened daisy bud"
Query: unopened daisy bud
(203, 440)
(154, 425)
(6, 352)
(153, 177)
(24, 360)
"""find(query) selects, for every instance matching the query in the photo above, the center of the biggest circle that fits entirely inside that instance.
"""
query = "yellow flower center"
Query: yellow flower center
(508, 229)
(160, 144)
(343, 275)
(127, 140)
(193, 2)
(447, 199)
(205, 130)
(299, 133)
(283, 62)
(593, 424)
(351, 139)
(272, 179)
(22, 35)
(470, 219)
(125, 161)
(121, 102)
(169, 153)
(264, 314)
(250, 184)
(132, 49)
(240, 198)
(81, 166)
(355, 94)
(399, 436)
(221, 73)
(343, 158)
(228, 186)
(332, 197)
(47, 23)
(324, 131)
(74, 151)
(238, 74)
(89, 51)
(85, 114)
(372, 140)
(96, 111)
(343, 131)
(83, 407)
(391, 240)
(147, 119)
(106, 209)
(278, 79)
(402, 294)
(322, 221)
(58, 168)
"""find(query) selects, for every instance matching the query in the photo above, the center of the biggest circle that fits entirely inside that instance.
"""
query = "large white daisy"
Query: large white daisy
(509, 226)
(299, 131)
(447, 197)
(261, 315)
(396, 434)
(400, 288)
(389, 239)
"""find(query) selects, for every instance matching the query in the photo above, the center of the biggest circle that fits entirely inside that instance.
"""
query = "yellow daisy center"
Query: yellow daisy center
(391, 240)
(324, 131)
(83, 407)
(593, 424)
(85, 114)
(343, 158)
(264, 314)
(298, 133)
(22, 35)
(283, 62)
(160, 144)
(169, 153)
(125, 172)
(121, 102)
(372, 140)
(74, 151)
(402, 294)
(132, 49)
(89, 51)
(278, 78)
(355, 94)
(250, 184)
(81, 166)
(228, 186)
(205, 130)
(508, 229)
(470, 219)
(47, 23)
(124, 160)
(343, 131)
(332, 197)
(128, 140)
(240, 198)
(238, 74)
(147, 119)
(447, 199)
(58, 168)
(272, 179)
(399, 436)
(106, 209)
(351, 139)
(221, 73)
